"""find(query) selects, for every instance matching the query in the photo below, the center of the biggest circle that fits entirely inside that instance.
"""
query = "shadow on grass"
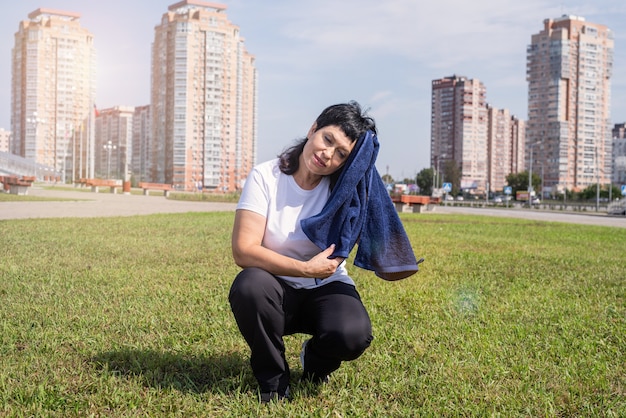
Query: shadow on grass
(219, 374)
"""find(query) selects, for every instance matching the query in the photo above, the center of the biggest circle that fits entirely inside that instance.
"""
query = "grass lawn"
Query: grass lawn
(129, 316)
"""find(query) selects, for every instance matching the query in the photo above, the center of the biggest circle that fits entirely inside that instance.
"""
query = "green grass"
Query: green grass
(129, 317)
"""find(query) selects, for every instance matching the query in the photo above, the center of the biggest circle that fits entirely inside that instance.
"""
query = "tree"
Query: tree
(519, 181)
(590, 192)
(424, 180)
(616, 192)
(452, 174)
(387, 179)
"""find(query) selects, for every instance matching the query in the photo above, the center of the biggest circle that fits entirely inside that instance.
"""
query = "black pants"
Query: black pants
(266, 309)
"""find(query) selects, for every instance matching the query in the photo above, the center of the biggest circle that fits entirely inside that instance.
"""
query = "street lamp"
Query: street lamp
(597, 181)
(108, 147)
(437, 177)
(530, 173)
(69, 128)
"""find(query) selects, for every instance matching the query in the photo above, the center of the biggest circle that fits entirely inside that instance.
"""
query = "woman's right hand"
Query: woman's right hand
(248, 251)
(320, 266)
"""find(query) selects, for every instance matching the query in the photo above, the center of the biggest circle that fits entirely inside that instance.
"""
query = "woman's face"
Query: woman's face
(326, 150)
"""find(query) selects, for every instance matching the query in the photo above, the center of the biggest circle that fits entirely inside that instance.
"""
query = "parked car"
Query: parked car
(497, 199)
(459, 198)
(536, 201)
(449, 197)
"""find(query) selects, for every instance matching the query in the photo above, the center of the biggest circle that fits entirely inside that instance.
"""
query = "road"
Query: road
(85, 204)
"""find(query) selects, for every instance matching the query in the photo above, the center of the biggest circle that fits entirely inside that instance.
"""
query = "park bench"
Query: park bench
(166, 188)
(95, 184)
(413, 203)
(17, 185)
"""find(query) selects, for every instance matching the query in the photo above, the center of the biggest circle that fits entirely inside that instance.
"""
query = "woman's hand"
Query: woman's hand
(248, 251)
(321, 266)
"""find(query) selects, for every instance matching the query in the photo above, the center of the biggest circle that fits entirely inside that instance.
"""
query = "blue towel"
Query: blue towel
(359, 209)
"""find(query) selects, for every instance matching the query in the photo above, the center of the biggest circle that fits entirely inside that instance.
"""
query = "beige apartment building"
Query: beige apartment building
(140, 158)
(203, 100)
(518, 140)
(501, 147)
(114, 142)
(53, 92)
(569, 68)
(485, 142)
(459, 125)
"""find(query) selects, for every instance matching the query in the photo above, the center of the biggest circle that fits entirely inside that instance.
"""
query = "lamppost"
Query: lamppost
(69, 128)
(437, 177)
(108, 147)
(434, 181)
(530, 174)
(597, 181)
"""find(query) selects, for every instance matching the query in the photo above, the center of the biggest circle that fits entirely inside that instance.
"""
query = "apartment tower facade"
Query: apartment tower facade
(53, 93)
(459, 125)
(499, 147)
(518, 140)
(140, 159)
(203, 100)
(568, 132)
(619, 153)
(114, 142)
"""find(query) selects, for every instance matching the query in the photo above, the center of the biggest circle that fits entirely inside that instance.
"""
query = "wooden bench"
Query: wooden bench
(166, 188)
(17, 185)
(414, 203)
(95, 184)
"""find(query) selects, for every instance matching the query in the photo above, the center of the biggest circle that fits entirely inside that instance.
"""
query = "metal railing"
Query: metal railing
(617, 208)
(11, 164)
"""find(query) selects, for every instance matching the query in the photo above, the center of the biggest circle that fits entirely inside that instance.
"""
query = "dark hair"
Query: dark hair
(352, 120)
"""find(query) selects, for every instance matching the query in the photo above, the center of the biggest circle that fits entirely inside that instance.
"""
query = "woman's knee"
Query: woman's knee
(351, 342)
(251, 285)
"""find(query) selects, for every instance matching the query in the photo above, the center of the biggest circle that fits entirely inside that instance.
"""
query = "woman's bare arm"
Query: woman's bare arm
(248, 252)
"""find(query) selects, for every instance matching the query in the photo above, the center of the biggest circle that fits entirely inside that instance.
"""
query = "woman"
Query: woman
(287, 284)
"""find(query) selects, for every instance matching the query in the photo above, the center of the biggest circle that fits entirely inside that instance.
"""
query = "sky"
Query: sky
(313, 53)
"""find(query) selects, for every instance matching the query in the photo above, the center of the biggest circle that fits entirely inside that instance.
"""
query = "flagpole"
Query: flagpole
(91, 147)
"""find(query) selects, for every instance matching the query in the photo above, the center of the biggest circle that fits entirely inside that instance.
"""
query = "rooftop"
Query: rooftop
(53, 12)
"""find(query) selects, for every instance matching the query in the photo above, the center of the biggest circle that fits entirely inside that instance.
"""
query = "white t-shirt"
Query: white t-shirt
(283, 203)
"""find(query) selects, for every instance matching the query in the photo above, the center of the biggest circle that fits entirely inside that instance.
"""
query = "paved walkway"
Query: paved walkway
(86, 204)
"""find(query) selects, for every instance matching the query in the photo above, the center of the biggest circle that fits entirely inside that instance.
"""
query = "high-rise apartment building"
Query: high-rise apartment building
(140, 160)
(499, 147)
(518, 139)
(53, 93)
(203, 100)
(459, 129)
(114, 142)
(569, 67)
(505, 147)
